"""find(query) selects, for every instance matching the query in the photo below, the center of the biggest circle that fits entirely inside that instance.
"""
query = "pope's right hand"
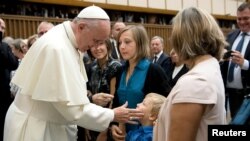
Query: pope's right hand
(127, 115)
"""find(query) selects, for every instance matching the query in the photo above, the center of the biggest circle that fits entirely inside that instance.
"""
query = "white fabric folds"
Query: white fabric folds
(54, 74)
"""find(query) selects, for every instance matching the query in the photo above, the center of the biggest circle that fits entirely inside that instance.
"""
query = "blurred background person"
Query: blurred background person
(8, 39)
(44, 27)
(116, 28)
(159, 57)
(31, 40)
(236, 69)
(24, 45)
(19, 49)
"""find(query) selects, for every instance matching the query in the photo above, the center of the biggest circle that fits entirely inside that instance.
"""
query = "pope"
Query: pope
(52, 99)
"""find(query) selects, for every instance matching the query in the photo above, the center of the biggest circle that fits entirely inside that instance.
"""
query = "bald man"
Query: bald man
(117, 27)
(44, 27)
(53, 97)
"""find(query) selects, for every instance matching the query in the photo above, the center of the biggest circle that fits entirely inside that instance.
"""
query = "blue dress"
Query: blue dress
(132, 91)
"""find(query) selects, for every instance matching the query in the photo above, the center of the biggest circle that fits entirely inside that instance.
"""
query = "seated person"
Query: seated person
(150, 107)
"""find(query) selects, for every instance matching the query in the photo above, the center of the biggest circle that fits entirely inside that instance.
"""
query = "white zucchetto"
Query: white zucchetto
(93, 12)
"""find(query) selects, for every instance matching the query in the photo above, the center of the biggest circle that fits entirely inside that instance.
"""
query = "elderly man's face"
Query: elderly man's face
(43, 28)
(117, 28)
(92, 36)
(156, 46)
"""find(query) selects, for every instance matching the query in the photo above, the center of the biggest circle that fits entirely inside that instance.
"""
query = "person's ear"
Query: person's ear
(152, 117)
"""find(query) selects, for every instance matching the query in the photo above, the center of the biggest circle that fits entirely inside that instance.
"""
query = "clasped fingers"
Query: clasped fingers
(102, 99)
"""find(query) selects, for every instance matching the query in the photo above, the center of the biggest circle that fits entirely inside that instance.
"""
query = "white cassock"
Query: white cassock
(53, 97)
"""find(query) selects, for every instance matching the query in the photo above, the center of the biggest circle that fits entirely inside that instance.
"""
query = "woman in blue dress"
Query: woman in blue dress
(138, 76)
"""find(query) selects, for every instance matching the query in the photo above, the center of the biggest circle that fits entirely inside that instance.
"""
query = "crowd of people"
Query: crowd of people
(97, 82)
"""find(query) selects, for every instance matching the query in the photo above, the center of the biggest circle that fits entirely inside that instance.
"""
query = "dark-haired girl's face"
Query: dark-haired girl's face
(100, 51)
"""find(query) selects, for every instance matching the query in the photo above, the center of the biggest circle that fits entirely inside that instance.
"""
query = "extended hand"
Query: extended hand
(126, 115)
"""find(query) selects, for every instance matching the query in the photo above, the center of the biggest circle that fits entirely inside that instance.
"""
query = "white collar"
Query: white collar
(159, 54)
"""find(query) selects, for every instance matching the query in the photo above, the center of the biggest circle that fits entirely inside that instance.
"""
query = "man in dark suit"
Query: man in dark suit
(8, 62)
(116, 28)
(159, 57)
(236, 69)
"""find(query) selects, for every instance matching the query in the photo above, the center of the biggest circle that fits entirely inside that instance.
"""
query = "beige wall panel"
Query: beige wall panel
(205, 4)
(174, 4)
(218, 7)
(100, 1)
(189, 3)
(138, 3)
(118, 2)
(231, 7)
(159, 4)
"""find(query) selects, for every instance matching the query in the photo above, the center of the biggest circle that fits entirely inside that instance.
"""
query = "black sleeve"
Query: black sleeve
(166, 66)
(156, 81)
(7, 58)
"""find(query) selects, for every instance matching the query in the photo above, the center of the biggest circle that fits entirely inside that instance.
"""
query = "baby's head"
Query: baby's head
(150, 106)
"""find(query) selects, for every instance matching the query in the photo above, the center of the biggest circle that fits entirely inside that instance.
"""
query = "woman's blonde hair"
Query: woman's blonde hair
(195, 32)
(141, 39)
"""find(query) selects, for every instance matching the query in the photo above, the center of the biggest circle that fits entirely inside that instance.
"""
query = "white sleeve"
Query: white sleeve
(89, 116)
(245, 65)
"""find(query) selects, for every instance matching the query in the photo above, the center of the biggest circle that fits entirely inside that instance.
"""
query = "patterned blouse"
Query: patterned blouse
(99, 80)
